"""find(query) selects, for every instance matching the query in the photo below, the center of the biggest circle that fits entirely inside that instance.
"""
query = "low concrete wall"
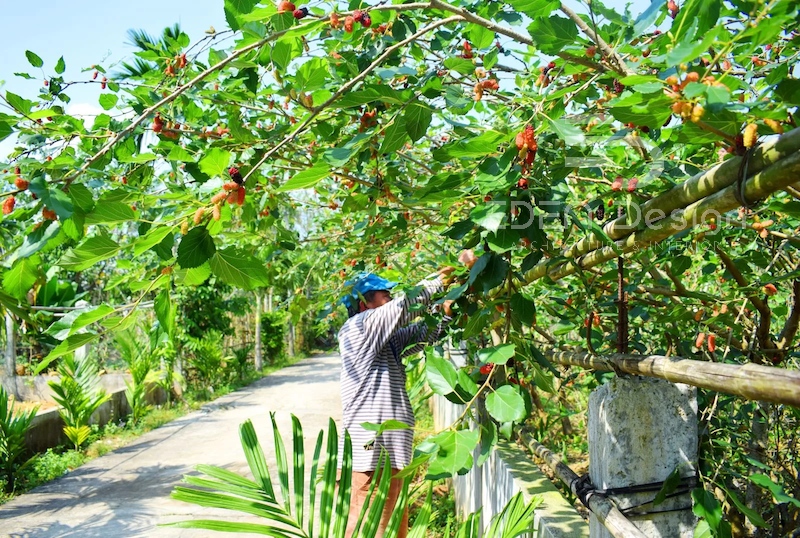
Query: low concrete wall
(47, 428)
(507, 471)
(35, 388)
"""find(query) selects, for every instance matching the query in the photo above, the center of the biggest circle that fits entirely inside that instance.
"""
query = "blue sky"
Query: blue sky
(86, 32)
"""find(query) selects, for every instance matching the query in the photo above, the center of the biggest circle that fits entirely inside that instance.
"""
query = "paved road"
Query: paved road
(126, 492)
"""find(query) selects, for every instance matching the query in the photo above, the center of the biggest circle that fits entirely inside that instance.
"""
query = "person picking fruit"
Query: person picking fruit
(373, 341)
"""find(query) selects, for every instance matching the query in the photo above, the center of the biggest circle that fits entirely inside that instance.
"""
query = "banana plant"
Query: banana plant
(317, 497)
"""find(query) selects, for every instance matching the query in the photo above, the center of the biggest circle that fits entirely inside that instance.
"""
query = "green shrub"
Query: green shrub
(141, 363)
(13, 451)
(274, 327)
(206, 365)
(51, 465)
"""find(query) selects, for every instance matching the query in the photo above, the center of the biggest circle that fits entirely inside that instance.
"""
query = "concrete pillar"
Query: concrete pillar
(640, 430)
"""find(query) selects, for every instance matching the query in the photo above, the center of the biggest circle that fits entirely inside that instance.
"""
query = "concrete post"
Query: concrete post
(640, 430)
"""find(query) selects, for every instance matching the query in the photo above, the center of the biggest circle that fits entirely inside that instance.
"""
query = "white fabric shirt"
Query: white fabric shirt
(373, 380)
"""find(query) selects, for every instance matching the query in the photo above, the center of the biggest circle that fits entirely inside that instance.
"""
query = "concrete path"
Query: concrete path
(126, 492)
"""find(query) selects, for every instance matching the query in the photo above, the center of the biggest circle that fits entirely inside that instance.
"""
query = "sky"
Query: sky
(88, 32)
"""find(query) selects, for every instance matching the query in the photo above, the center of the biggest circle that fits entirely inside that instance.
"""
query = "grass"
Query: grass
(56, 462)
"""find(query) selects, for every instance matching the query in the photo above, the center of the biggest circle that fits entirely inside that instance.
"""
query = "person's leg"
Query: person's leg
(359, 488)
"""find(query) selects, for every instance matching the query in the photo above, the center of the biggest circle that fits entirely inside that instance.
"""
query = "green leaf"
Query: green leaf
(454, 454)
(215, 163)
(81, 197)
(93, 250)
(165, 311)
(535, 9)
(196, 248)
(284, 50)
(18, 280)
(554, 34)
(5, 130)
(194, 276)
(751, 514)
(76, 320)
(179, 154)
(489, 216)
(480, 36)
(108, 100)
(777, 491)
(153, 237)
(60, 65)
(388, 425)
(396, 135)
(647, 17)
(306, 178)
(441, 375)
(496, 354)
(237, 268)
(312, 75)
(34, 60)
(570, 134)
(418, 117)
(707, 507)
(523, 310)
(110, 212)
(67, 346)
(505, 404)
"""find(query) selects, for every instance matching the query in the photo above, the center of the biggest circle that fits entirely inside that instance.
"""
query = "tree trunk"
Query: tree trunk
(11, 354)
(259, 357)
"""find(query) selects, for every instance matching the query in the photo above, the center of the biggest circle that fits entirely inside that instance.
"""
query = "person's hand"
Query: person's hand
(467, 257)
(446, 273)
(447, 308)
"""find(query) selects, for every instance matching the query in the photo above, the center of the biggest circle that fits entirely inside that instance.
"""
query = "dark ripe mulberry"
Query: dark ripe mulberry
(618, 87)
(366, 21)
(300, 13)
(235, 175)
(600, 212)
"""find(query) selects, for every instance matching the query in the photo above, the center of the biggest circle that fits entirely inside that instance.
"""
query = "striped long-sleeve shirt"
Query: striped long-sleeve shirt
(372, 344)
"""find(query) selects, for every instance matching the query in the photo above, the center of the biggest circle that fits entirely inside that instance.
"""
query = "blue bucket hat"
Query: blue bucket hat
(363, 283)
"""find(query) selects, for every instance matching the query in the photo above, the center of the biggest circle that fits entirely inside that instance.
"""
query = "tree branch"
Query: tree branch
(171, 97)
(764, 338)
(617, 63)
(793, 321)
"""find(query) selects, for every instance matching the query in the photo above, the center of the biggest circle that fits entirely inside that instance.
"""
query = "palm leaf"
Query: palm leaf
(223, 489)
(283, 464)
(255, 457)
(329, 479)
(299, 469)
(312, 489)
(423, 517)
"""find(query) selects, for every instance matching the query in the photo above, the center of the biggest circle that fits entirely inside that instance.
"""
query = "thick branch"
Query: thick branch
(793, 321)
(616, 61)
(502, 30)
(764, 310)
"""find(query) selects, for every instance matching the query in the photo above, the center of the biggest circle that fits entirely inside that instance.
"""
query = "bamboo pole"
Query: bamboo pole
(696, 188)
(761, 185)
(751, 381)
(607, 513)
